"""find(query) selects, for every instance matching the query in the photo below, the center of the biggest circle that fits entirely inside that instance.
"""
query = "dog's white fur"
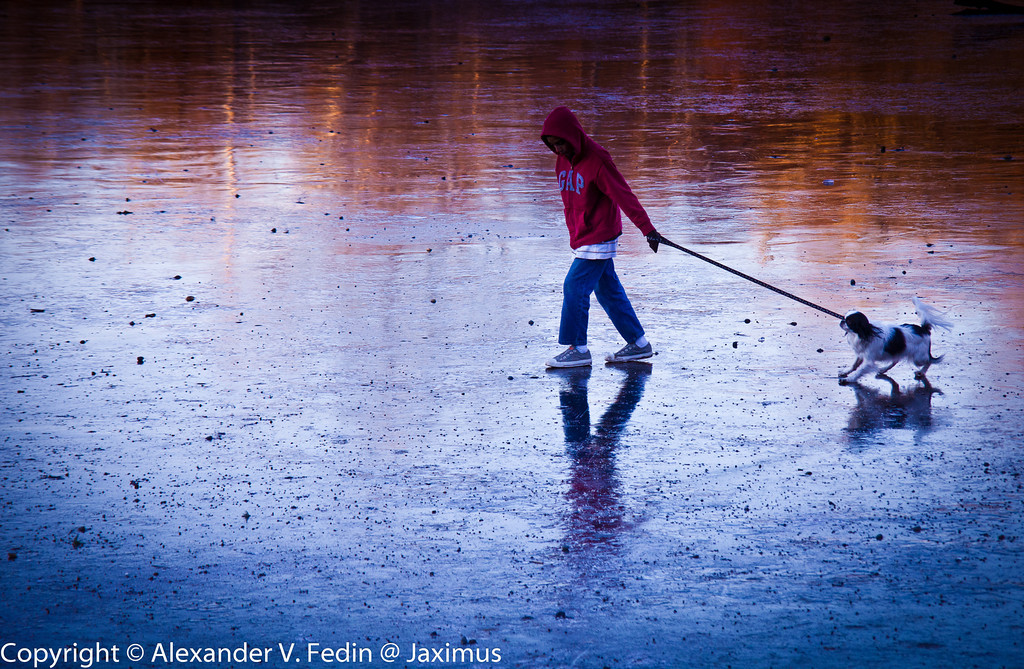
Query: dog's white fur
(882, 346)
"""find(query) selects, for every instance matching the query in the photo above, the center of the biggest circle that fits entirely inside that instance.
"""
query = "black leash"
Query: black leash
(791, 296)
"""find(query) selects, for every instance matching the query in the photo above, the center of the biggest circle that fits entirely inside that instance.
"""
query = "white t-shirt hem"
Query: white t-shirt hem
(602, 251)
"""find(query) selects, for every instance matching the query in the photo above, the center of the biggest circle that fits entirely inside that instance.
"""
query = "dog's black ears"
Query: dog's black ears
(859, 324)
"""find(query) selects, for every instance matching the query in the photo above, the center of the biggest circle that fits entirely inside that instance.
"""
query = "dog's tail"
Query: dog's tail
(931, 316)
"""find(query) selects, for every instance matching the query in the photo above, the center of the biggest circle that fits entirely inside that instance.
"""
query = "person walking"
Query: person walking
(593, 193)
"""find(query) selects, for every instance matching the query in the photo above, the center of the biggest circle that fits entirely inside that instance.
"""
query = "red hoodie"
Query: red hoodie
(593, 190)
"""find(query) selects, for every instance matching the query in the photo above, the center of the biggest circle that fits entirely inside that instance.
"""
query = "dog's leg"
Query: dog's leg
(882, 372)
(920, 373)
(856, 363)
(868, 366)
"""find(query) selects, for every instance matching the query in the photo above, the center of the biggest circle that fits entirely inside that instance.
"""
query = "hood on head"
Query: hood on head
(563, 123)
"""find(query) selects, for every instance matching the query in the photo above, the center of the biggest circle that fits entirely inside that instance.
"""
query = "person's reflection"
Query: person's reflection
(596, 514)
(897, 410)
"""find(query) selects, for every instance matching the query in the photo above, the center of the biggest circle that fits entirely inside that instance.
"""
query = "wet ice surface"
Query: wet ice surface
(278, 288)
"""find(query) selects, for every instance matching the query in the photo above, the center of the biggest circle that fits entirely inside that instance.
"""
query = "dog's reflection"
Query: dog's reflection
(897, 410)
(596, 515)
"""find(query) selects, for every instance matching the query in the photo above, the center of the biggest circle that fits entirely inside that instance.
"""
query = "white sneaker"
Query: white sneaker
(570, 357)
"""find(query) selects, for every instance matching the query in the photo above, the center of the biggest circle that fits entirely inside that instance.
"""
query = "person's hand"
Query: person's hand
(653, 240)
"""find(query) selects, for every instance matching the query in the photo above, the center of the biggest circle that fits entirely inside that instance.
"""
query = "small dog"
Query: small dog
(881, 347)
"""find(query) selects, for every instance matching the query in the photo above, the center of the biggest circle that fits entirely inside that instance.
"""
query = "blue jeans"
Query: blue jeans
(598, 277)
